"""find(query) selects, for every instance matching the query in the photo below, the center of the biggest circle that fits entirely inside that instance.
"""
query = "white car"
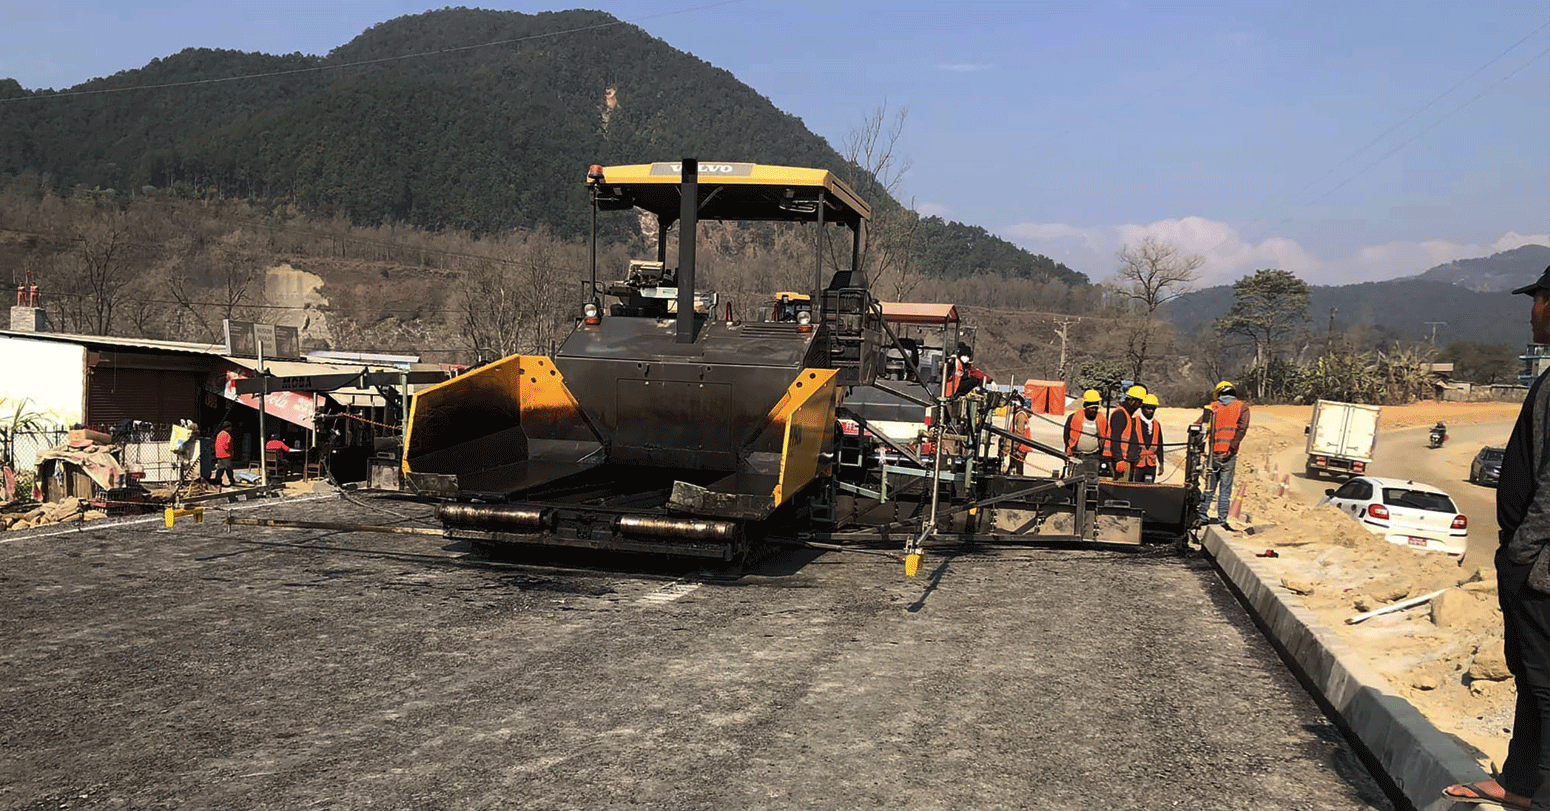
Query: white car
(1404, 512)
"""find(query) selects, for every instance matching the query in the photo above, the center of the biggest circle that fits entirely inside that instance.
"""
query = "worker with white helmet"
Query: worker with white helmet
(1016, 453)
(1229, 422)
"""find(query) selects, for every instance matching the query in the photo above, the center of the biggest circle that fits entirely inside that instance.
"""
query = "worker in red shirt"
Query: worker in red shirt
(277, 446)
(223, 456)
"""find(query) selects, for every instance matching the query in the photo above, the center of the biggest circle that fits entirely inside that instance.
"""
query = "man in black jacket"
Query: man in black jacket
(1523, 514)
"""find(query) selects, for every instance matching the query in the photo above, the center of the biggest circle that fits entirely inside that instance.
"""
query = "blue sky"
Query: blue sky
(1228, 128)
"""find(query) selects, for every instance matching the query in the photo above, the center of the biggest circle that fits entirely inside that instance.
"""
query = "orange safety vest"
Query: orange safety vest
(1019, 426)
(1113, 449)
(1140, 446)
(959, 372)
(1224, 423)
(1074, 425)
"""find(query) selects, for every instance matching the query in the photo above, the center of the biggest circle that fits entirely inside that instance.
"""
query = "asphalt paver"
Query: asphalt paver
(262, 668)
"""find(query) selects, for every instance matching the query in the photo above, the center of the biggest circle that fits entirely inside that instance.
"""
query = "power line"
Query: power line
(1431, 126)
(1288, 198)
(1406, 120)
(377, 61)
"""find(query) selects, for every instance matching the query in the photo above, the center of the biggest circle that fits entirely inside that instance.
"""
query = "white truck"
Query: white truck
(1341, 437)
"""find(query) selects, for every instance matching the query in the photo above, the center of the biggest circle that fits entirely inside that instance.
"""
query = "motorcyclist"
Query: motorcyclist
(1439, 433)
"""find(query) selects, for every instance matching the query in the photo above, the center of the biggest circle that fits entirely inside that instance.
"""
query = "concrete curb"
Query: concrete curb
(1417, 757)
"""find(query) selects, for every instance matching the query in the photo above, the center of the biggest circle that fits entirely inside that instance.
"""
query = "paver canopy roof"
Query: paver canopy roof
(734, 191)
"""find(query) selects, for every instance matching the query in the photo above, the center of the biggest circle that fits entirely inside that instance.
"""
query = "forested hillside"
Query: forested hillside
(1466, 299)
(482, 140)
(1497, 273)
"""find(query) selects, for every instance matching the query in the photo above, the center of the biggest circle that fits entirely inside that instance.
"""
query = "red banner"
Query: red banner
(294, 407)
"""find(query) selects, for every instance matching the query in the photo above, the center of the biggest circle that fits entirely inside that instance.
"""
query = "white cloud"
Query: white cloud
(1228, 256)
(931, 209)
(1393, 259)
(1058, 237)
(962, 67)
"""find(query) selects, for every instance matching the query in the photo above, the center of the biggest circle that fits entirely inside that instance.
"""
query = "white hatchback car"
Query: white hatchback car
(1404, 512)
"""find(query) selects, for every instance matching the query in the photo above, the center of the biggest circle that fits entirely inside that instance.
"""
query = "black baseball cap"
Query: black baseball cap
(1543, 283)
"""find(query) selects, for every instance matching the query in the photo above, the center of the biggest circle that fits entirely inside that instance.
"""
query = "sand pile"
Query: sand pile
(1444, 655)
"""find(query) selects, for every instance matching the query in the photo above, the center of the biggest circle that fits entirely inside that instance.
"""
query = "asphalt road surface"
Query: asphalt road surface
(1448, 469)
(286, 669)
(1404, 453)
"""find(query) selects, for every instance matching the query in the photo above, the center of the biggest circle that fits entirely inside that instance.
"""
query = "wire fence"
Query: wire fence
(142, 449)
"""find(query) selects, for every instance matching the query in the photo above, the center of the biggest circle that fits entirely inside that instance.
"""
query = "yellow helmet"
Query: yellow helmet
(1149, 400)
(1221, 387)
(1135, 392)
(1091, 396)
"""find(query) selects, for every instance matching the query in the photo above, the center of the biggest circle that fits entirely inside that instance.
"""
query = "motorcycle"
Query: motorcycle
(1437, 438)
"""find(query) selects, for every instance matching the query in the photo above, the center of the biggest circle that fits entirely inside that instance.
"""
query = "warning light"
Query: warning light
(595, 173)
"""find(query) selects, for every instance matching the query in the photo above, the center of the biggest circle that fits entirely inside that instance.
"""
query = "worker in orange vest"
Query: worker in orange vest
(1087, 433)
(1142, 444)
(1229, 422)
(1119, 427)
(962, 375)
(1016, 452)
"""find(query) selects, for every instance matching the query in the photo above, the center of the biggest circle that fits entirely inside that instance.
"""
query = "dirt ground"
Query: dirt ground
(1443, 656)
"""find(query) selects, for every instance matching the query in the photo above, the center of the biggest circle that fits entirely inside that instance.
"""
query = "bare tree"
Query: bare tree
(876, 172)
(102, 270)
(1151, 274)
(517, 302)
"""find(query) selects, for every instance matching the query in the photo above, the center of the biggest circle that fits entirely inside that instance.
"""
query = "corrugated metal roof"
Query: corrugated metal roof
(911, 312)
(342, 396)
(107, 340)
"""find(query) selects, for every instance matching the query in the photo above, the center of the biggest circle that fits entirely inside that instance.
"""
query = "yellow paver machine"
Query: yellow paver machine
(664, 424)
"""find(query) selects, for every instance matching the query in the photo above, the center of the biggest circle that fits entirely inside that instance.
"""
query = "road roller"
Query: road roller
(665, 424)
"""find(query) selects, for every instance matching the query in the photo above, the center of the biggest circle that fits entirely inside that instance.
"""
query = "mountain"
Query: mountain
(1403, 307)
(1497, 273)
(417, 122)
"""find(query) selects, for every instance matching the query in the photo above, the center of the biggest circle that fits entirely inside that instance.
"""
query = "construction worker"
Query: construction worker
(1087, 433)
(1119, 427)
(1016, 452)
(1143, 442)
(962, 375)
(1229, 422)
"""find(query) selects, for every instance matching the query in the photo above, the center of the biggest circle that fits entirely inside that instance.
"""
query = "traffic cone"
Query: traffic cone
(1236, 506)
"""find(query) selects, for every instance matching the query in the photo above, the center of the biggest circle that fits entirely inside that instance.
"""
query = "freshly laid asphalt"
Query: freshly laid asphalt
(285, 669)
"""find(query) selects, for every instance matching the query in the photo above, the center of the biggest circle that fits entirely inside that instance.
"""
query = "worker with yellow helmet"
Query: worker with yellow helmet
(1143, 443)
(1119, 425)
(1229, 418)
(1087, 433)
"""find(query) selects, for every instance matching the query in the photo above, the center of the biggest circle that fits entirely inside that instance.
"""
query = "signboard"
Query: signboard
(292, 406)
(708, 170)
(331, 382)
(243, 339)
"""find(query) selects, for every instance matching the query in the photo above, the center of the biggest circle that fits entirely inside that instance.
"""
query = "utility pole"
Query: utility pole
(1434, 325)
(1061, 328)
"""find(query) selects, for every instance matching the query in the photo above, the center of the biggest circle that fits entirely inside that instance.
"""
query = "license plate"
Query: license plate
(1414, 541)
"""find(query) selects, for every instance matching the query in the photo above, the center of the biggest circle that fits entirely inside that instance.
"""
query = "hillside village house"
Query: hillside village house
(102, 382)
